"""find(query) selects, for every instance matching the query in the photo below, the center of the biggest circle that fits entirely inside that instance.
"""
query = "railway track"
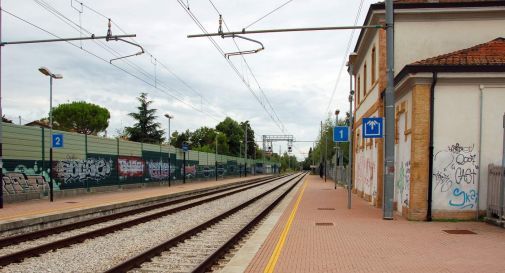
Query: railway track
(17, 247)
(201, 247)
(15, 260)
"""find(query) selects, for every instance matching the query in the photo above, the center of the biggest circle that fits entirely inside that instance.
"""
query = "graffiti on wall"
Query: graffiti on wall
(365, 172)
(403, 183)
(130, 166)
(17, 182)
(455, 171)
(72, 170)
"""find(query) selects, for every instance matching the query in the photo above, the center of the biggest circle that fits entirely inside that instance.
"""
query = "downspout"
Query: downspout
(481, 88)
(432, 115)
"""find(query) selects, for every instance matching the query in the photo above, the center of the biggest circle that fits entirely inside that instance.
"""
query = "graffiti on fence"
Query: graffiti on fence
(158, 169)
(130, 166)
(22, 178)
(455, 172)
(72, 170)
(190, 171)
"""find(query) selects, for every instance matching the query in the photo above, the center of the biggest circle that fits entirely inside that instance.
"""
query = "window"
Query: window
(358, 90)
(364, 81)
(374, 65)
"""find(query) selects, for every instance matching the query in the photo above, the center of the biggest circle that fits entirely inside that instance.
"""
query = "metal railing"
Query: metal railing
(495, 194)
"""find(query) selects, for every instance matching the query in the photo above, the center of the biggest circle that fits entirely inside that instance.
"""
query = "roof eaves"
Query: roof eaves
(410, 69)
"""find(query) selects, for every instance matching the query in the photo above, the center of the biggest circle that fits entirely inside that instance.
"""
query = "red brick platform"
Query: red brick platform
(42, 207)
(358, 240)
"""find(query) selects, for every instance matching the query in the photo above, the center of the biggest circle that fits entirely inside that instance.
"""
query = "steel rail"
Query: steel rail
(147, 255)
(219, 253)
(37, 250)
(16, 239)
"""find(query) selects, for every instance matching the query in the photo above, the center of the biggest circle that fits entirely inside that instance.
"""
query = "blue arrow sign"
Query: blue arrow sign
(185, 147)
(57, 140)
(341, 134)
(373, 127)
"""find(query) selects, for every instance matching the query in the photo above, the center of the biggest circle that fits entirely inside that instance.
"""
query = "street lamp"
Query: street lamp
(215, 156)
(169, 117)
(47, 72)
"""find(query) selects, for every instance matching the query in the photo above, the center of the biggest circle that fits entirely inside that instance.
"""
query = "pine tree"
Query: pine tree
(146, 130)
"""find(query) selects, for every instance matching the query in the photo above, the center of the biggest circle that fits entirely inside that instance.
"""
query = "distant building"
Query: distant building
(448, 53)
(44, 123)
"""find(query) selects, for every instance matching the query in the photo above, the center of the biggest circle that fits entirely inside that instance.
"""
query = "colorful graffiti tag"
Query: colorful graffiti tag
(78, 170)
(454, 175)
(130, 166)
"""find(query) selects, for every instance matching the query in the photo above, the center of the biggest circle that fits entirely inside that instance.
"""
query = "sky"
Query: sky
(293, 78)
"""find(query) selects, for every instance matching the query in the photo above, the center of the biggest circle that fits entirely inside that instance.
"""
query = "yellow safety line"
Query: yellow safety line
(280, 244)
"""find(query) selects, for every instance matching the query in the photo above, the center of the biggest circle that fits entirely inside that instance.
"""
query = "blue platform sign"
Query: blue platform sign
(373, 127)
(185, 147)
(57, 140)
(340, 134)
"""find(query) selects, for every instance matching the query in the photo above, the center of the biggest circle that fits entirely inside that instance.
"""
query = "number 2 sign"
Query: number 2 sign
(57, 140)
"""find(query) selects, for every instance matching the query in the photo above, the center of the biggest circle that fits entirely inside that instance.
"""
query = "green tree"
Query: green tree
(251, 143)
(82, 117)
(145, 129)
(234, 134)
(179, 138)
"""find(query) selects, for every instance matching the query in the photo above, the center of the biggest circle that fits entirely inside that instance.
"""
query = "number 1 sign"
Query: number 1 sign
(341, 134)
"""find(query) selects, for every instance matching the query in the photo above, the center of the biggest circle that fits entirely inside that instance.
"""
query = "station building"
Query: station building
(449, 105)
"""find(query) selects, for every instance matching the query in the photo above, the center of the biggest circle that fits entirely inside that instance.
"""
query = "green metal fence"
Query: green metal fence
(91, 161)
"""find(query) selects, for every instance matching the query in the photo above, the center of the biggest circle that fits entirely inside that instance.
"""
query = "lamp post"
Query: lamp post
(351, 125)
(338, 148)
(47, 72)
(240, 158)
(215, 157)
(169, 117)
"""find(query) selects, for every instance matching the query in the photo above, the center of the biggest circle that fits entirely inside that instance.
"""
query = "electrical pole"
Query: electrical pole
(325, 155)
(390, 116)
(245, 154)
(351, 125)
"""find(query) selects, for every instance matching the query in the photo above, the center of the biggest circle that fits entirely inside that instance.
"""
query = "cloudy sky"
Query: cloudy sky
(188, 78)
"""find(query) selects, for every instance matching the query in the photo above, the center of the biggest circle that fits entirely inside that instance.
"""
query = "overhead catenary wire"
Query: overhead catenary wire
(220, 50)
(107, 61)
(341, 69)
(276, 119)
(115, 53)
(269, 13)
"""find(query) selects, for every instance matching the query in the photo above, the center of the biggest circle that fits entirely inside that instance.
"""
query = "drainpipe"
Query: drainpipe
(432, 115)
(481, 88)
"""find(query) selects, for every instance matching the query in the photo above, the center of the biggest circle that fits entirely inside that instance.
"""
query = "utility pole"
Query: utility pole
(321, 152)
(351, 125)
(390, 116)
(325, 156)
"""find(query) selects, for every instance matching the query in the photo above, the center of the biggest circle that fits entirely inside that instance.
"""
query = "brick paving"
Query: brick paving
(360, 241)
(42, 207)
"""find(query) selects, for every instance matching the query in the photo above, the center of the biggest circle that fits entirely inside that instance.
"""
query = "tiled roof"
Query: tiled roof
(490, 53)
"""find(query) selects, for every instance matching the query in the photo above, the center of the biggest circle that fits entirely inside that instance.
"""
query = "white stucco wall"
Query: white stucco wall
(366, 169)
(456, 166)
(427, 37)
(402, 154)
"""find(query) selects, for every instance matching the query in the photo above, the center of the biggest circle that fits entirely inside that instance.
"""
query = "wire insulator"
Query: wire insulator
(220, 29)
(109, 31)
